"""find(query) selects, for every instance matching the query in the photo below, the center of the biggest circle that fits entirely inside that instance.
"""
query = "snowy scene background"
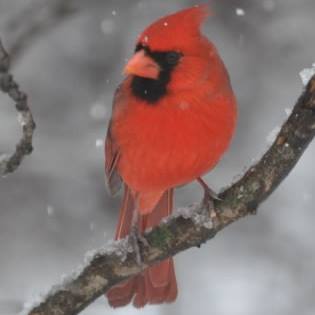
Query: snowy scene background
(55, 207)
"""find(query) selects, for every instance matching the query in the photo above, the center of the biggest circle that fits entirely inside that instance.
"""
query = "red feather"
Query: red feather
(155, 147)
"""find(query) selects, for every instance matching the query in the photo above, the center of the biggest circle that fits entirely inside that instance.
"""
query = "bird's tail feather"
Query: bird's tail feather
(157, 284)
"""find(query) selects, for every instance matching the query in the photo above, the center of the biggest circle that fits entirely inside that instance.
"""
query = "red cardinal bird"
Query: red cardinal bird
(173, 118)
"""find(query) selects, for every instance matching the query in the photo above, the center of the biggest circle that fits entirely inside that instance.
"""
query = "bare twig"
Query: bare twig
(34, 20)
(192, 226)
(10, 87)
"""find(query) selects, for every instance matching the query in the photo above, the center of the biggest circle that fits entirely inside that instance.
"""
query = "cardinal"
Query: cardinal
(173, 117)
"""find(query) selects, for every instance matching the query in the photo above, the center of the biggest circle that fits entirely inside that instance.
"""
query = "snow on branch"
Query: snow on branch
(188, 227)
(9, 164)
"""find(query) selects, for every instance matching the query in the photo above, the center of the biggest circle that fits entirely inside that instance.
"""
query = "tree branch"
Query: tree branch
(10, 87)
(193, 226)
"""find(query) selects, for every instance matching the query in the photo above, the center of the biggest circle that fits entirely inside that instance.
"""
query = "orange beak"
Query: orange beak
(143, 66)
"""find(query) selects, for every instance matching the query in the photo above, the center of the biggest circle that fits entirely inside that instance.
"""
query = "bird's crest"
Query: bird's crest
(175, 30)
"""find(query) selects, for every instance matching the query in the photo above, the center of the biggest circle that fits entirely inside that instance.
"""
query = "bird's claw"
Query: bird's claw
(211, 194)
(208, 199)
(208, 205)
(136, 240)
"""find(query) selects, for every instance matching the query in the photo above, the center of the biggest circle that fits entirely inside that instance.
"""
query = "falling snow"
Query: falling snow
(274, 15)
(108, 26)
(239, 11)
(98, 111)
(307, 73)
(99, 143)
(50, 210)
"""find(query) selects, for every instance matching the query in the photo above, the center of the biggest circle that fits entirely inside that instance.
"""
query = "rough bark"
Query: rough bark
(192, 226)
(9, 164)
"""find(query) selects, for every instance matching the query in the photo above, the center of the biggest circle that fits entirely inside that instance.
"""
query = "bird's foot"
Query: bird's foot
(209, 197)
(209, 206)
(137, 241)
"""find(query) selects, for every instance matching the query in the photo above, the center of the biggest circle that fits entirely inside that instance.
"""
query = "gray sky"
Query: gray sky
(55, 207)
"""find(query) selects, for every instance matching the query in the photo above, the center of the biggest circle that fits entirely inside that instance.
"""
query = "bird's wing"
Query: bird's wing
(112, 155)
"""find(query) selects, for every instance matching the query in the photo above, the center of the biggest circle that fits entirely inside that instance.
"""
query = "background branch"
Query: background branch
(34, 20)
(192, 226)
(10, 87)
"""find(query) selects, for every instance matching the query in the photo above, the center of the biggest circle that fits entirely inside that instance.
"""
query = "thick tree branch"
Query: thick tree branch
(10, 87)
(193, 226)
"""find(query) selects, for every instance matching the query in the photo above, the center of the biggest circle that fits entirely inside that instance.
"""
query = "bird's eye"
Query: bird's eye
(173, 57)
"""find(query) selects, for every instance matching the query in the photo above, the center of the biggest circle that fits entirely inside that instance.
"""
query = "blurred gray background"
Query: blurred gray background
(55, 207)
